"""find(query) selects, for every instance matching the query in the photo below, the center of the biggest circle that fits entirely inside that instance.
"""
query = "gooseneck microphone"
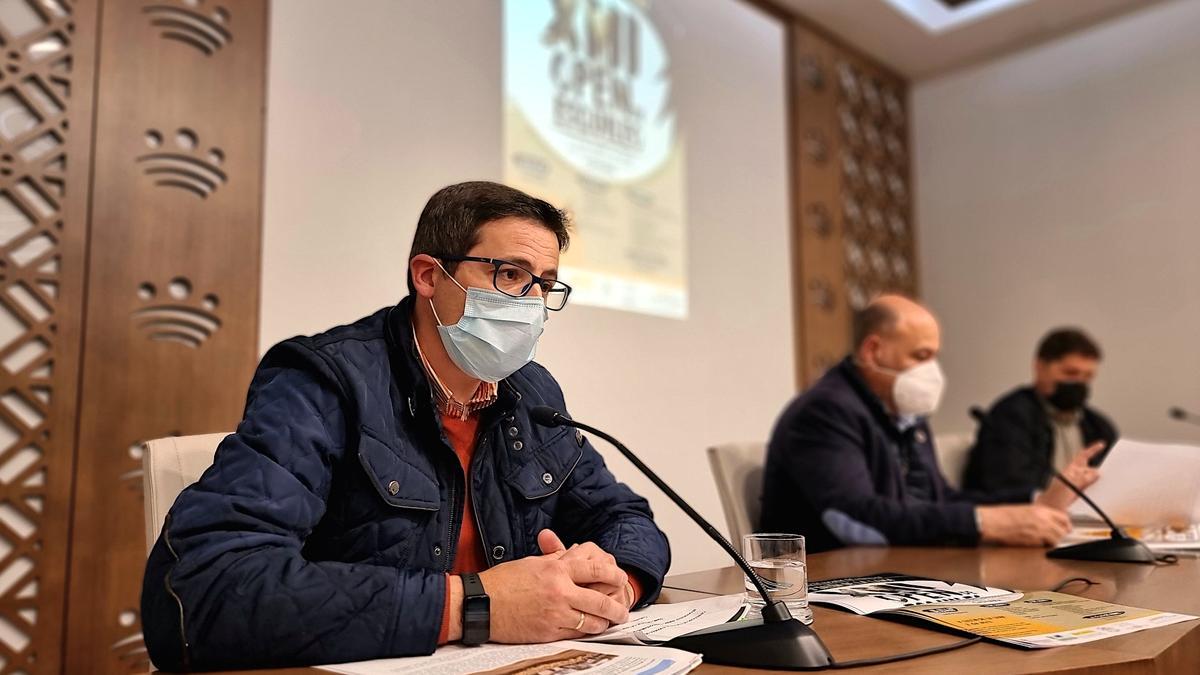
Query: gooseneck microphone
(775, 641)
(1119, 547)
(1177, 413)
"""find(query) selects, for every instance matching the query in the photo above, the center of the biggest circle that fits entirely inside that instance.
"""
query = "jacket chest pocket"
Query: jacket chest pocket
(538, 475)
(398, 504)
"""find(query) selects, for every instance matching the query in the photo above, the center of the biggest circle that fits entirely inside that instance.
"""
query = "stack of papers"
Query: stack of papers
(624, 649)
(1155, 538)
(1036, 619)
(567, 656)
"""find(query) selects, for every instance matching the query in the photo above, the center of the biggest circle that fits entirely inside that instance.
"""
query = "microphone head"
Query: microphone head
(545, 416)
(1177, 413)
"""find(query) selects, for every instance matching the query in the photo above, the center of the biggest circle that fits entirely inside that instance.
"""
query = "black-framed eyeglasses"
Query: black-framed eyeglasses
(513, 280)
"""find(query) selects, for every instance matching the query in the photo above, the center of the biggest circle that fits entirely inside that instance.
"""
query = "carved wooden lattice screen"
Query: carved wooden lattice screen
(45, 120)
(131, 136)
(854, 236)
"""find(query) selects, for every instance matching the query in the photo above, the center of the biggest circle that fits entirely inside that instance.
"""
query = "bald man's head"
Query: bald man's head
(891, 335)
(889, 313)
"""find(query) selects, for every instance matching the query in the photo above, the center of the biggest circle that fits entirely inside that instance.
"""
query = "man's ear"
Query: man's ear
(1041, 371)
(866, 350)
(424, 270)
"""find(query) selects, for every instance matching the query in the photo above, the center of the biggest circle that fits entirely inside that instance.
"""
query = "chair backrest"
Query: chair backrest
(738, 471)
(952, 453)
(170, 465)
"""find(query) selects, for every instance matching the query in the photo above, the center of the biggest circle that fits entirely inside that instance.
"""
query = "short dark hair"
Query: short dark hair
(449, 223)
(1062, 342)
(876, 318)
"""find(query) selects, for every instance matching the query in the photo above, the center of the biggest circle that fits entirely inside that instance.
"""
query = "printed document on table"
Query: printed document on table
(890, 591)
(1156, 538)
(1045, 619)
(659, 623)
(616, 656)
(554, 657)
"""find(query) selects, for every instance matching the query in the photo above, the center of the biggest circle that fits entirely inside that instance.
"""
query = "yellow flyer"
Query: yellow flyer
(1045, 619)
(1036, 619)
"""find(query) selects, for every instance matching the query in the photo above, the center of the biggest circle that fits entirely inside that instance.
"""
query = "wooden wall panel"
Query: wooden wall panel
(853, 236)
(46, 89)
(172, 288)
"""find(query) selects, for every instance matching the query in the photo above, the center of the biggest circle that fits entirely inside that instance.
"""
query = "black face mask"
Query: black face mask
(1069, 396)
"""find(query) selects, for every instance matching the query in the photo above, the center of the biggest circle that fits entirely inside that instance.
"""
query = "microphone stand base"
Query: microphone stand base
(781, 645)
(1115, 549)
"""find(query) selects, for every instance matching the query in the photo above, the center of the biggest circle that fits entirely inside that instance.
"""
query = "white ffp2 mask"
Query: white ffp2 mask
(917, 391)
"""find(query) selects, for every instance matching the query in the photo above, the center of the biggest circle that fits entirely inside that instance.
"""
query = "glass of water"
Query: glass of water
(778, 559)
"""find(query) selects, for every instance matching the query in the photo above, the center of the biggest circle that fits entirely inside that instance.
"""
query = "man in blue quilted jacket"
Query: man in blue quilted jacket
(386, 490)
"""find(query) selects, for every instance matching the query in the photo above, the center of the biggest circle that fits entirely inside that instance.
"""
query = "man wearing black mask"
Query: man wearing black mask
(1036, 428)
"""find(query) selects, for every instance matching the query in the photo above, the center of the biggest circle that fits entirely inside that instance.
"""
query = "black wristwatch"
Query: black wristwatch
(477, 611)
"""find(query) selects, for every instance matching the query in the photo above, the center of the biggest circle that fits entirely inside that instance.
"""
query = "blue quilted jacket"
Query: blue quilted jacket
(324, 528)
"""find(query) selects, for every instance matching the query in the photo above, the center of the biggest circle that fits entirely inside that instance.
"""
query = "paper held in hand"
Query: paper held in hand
(1139, 485)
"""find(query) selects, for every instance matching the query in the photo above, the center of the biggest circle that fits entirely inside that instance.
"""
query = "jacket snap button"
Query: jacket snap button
(517, 445)
(547, 478)
(498, 552)
(513, 431)
(393, 487)
(437, 551)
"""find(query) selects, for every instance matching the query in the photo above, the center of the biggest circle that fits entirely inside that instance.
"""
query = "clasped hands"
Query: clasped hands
(562, 594)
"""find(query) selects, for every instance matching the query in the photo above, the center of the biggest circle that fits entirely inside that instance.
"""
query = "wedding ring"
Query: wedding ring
(579, 626)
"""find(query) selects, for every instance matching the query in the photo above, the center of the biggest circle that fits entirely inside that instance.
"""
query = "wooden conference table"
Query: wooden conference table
(1167, 650)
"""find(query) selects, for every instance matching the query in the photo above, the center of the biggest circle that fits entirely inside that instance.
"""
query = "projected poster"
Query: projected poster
(589, 124)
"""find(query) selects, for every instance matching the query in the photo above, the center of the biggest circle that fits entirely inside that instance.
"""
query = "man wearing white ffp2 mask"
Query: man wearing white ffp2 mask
(916, 391)
(851, 460)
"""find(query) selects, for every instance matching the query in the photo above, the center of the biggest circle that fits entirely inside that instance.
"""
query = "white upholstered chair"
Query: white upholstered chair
(170, 465)
(738, 471)
(952, 452)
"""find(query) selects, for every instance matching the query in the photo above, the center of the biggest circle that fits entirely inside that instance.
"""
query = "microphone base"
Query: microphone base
(1115, 549)
(781, 645)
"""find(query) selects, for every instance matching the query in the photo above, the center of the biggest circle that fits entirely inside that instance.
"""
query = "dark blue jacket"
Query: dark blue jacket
(1014, 445)
(841, 472)
(325, 527)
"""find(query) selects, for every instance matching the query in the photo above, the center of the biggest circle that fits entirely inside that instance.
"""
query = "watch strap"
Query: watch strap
(477, 611)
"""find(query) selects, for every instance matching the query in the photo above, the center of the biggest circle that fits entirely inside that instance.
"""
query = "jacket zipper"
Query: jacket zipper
(167, 582)
(475, 503)
(451, 541)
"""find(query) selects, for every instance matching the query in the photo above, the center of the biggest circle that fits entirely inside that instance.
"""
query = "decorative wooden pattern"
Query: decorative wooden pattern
(173, 274)
(179, 317)
(183, 166)
(877, 232)
(45, 109)
(187, 23)
(853, 237)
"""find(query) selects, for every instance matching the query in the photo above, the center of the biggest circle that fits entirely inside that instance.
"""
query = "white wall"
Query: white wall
(373, 105)
(1059, 186)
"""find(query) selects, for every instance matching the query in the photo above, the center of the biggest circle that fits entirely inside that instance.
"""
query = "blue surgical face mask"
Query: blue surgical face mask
(496, 335)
